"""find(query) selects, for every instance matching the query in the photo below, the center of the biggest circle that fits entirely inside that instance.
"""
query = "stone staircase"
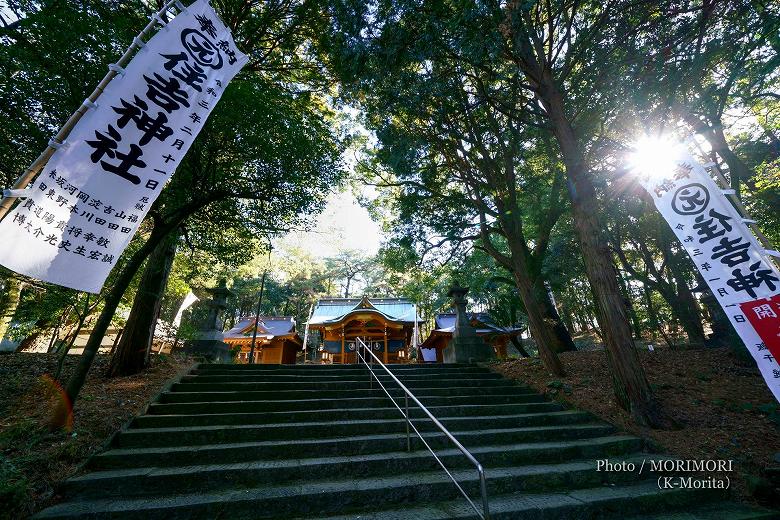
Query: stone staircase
(315, 441)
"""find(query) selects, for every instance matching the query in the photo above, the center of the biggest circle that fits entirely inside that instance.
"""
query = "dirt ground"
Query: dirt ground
(33, 459)
(721, 405)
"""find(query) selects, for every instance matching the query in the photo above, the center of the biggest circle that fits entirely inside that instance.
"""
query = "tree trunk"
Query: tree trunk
(632, 389)
(723, 332)
(684, 314)
(518, 263)
(116, 340)
(112, 300)
(27, 342)
(113, 297)
(9, 303)
(738, 170)
(519, 346)
(652, 318)
(692, 317)
(74, 334)
(568, 321)
(56, 335)
(132, 352)
(624, 286)
(541, 330)
(561, 339)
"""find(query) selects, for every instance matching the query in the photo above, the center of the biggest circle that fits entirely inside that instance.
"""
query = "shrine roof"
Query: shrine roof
(333, 310)
(268, 327)
(481, 321)
(483, 324)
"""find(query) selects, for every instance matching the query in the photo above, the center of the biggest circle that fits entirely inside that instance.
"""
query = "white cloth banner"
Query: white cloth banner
(90, 198)
(188, 301)
(723, 248)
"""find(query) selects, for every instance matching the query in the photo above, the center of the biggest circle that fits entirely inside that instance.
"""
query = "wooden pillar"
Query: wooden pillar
(386, 352)
(500, 346)
(343, 337)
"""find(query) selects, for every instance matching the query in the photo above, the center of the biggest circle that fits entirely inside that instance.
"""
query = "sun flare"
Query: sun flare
(654, 156)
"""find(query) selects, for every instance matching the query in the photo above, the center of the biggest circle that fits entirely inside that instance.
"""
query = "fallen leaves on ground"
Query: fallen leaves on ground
(33, 458)
(721, 404)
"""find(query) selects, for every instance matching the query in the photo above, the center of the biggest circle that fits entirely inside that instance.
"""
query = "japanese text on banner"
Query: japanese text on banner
(94, 192)
(725, 252)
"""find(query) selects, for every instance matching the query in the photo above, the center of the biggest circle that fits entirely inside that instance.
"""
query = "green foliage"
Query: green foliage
(764, 206)
(294, 281)
(14, 490)
(464, 155)
(468, 174)
(46, 69)
(264, 162)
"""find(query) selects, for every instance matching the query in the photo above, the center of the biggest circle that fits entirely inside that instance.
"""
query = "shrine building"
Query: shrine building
(432, 348)
(386, 324)
(276, 341)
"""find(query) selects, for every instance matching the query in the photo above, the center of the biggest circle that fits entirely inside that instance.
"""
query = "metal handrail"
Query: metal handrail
(361, 345)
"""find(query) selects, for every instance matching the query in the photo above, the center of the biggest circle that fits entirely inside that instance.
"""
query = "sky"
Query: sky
(343, 225)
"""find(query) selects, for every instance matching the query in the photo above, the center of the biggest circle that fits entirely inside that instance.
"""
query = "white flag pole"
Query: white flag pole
(306, 330)
(58, 140)
(415, 340)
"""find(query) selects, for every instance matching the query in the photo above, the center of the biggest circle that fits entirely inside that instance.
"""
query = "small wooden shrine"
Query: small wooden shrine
(386, 324)
(432, 348)
(276, 341)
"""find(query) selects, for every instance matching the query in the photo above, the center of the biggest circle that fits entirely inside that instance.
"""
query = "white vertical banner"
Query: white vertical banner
(186, 304)
(82, 210)
(725, 252)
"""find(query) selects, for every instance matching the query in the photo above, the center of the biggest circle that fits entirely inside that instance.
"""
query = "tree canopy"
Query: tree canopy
(489, 140)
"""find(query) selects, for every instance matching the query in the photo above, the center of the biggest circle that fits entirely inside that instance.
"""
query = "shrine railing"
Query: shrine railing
(369, 359)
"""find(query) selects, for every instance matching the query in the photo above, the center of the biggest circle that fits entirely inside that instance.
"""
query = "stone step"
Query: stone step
(395, 423)
(618, 502)
(331, 496)
(282, 395)
(122, 457)
(200, 435)
(716, 511)
(357, 372)
(320, 368)
(209, 477)
(352, 405)
(195, 416)
(265, 377)
(303, 441)
(205, 384)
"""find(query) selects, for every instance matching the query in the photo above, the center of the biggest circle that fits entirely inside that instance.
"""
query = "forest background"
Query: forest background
(488, 141)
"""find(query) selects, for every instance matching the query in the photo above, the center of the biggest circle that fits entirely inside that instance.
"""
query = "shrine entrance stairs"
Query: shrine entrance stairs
(316, 441)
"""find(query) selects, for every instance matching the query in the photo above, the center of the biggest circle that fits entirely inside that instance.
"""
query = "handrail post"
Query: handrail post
(483, 488)
(370, 370)
(408, 438)
(485, 514)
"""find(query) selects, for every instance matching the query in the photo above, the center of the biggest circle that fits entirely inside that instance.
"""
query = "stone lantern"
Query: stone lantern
(209, 342)
(465, 346)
